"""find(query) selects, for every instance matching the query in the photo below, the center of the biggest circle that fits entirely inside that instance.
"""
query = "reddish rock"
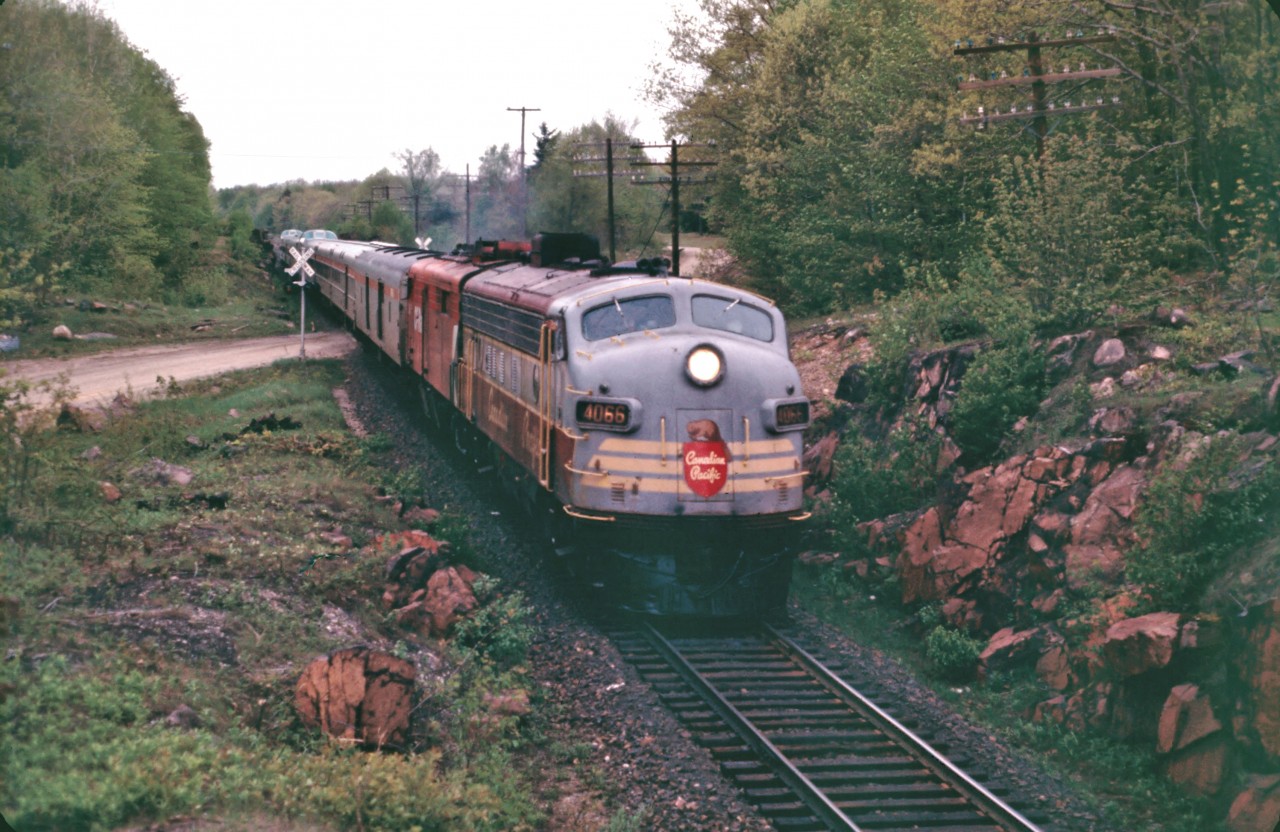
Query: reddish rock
(918, 542)
(421, 516)
(359, 695)
(407, 572)
(1052, 525)
(1105, 517)
(1048, 464)
(1257, 807)
(1261, 671)
(948, 453)
(963, 614)
(980, 521)
(1008, 647)
(1053, 711)
(1054, 667)
(1137, 645)
(820, 456)
(110, 493)
(860, 567)
(1089, 564)
(448, 598)
(337, 539)
(399, 541)
(1113, 421)
(1047, 603)
(1110, 352)
(1187, 717)
(1202, 767)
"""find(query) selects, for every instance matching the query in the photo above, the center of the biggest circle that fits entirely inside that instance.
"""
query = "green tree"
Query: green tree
(496, 196)
(562, 200)
(422, 178)
(105, 178)
(390, 224)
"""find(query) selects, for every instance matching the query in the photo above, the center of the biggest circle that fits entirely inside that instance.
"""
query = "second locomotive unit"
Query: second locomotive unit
(653, 421)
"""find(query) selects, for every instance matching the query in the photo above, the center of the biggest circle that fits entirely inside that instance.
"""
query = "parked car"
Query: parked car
(292, 235)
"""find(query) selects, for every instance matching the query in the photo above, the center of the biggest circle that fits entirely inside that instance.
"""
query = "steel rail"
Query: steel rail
(995, 808)
(809, 794)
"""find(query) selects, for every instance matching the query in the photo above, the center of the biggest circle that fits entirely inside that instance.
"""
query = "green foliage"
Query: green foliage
(391, 225)
(952, 654)
(103, 179)
(1199, 512)
(559, 200)
(877, 478)
(1004, 383)
(239, 231)
(1070, 237)
(89, 750)
(499, 632)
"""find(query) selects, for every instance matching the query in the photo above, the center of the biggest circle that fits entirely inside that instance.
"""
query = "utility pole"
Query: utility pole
(1038, 76)
(673, 179)
(524, 182)
(609, 173)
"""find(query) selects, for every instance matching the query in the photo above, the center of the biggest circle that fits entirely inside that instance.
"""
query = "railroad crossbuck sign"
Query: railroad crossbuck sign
(300, 263)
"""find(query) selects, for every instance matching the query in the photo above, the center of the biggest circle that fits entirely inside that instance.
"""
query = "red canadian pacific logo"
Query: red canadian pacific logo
(706, 458)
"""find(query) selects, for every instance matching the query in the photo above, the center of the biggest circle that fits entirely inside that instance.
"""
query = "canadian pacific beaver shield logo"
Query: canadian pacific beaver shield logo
(706, 458)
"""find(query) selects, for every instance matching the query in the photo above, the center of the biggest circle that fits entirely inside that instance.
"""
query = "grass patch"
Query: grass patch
(208, 598)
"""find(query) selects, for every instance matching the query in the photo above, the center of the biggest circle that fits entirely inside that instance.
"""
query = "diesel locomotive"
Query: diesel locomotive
(653, 422)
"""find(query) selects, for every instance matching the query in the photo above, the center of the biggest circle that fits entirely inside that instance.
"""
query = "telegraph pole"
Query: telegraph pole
(524, 182)
(610, 173)
(1038, 76)
(673, 179)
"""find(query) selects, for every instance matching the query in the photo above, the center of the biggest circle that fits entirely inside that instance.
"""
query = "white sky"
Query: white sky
(331, 90)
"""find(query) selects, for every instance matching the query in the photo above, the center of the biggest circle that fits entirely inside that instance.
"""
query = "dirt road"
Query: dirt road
(97, 378)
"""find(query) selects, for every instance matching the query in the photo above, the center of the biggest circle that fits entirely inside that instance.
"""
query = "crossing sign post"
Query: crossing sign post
(300, 264)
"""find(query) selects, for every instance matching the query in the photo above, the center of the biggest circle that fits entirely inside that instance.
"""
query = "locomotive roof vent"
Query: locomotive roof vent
(554, 248)
(652, 266)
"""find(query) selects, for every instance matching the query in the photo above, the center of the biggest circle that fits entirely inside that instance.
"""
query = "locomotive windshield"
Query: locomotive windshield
(731, 315)
(618, 317)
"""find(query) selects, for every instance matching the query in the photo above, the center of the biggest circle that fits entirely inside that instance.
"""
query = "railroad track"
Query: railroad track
(806, 748)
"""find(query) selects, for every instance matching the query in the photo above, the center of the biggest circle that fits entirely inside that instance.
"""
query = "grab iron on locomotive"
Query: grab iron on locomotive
(654, 422)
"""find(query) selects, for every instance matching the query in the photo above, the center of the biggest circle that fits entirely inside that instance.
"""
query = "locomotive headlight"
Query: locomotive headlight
(705, 365)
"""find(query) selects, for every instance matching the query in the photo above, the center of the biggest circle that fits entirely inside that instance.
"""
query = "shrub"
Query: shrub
(953, 654)
(876, 479)
(1195, 516)
(1003, 384)
(498, 632)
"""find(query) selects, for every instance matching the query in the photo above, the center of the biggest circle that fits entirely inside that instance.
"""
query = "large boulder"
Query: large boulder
(449, 596)
(1137, 645)
(359, 695)
(1191, 740)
